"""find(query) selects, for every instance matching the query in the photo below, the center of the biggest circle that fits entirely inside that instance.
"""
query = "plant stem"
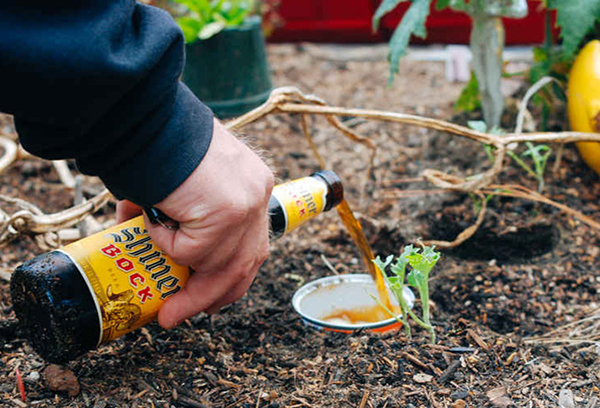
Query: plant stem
(521, 163)
(424, 293)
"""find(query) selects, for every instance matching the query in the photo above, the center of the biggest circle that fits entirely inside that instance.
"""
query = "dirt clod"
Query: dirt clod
(61, 379)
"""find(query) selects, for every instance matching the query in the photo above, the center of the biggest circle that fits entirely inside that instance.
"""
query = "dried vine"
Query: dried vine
(292, 101)
(48, 228)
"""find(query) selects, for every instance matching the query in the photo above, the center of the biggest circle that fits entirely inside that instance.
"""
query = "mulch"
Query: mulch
(508, 304)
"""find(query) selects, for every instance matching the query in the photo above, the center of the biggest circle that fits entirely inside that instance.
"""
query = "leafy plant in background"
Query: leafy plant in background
(421, 262)
(205, 18)
(579, 23)
(487, 41)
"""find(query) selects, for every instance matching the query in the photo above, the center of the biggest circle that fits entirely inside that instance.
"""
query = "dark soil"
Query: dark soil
(529, 269)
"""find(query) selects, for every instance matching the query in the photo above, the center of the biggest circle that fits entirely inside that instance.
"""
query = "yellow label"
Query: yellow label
(128, 274)
(302, 199)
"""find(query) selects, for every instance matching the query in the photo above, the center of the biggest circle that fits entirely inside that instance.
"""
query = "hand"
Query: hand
(223, 230)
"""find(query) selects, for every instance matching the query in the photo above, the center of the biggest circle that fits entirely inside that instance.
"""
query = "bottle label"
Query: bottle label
(128, 274)
(301, 199)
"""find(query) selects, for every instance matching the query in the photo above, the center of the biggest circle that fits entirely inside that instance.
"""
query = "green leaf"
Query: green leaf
(201, 7)
(416, 279)
(381, 264)
(442, 4)
(190, 27)
(413, 22)
(470, 98)
(211, 29)
(385, 7)
(425, 261)
(576, 19)
(478, 125)
(395, 283)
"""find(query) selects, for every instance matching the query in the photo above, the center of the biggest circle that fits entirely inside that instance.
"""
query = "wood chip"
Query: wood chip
(477, 339)
(498, 397)
(422, 378)
(458, 404)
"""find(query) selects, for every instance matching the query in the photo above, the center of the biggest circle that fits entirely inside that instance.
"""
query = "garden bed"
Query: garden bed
(529, 269)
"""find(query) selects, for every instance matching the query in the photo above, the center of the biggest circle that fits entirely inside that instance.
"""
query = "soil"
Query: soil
(528, 271)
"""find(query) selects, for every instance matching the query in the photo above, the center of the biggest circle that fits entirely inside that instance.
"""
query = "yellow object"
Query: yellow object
(129, 276)
(302, 200)
(584, 100)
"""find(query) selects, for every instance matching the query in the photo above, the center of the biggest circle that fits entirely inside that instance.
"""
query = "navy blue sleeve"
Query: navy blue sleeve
(98, 81)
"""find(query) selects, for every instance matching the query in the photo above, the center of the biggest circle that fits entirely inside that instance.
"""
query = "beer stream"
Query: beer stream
(369, 314)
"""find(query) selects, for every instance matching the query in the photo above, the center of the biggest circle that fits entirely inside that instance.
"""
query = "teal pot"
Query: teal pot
(229, 71)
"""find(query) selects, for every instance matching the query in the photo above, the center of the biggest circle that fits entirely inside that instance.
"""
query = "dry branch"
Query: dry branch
(31, 220)
(292, 101)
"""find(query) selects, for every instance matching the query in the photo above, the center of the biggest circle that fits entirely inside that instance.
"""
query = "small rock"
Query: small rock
(61, 379)
(458, 404)
(33, 376)
(422, 378)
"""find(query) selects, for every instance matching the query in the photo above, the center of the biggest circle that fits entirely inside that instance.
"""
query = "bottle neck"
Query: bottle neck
(295, 202)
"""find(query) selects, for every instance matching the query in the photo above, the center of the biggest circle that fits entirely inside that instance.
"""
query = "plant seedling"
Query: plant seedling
(421, 262)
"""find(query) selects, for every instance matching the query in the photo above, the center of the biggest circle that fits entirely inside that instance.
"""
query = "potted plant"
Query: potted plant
(226, 62)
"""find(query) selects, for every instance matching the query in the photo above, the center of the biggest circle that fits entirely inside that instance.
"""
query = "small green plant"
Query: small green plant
(421, 262)
(539, 153)
(205, 18)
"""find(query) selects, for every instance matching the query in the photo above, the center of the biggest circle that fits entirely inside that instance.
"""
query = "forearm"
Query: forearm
(98, 81)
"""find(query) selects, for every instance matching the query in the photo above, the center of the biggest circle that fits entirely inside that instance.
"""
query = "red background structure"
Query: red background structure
(349, 21)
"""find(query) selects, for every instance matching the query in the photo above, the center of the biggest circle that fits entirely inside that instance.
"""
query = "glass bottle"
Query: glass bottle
(75, 298)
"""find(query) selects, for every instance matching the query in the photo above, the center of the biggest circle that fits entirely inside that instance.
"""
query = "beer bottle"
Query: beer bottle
(94, 290)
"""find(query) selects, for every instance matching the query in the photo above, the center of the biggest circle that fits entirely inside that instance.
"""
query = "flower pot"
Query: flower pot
(229, 71)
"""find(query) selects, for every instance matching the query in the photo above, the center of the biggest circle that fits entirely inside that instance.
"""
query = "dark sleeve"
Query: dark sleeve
(97, 80)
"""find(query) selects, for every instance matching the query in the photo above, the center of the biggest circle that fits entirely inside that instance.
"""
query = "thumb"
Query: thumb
(162, 232)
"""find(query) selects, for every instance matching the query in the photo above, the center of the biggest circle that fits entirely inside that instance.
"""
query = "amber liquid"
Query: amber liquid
(370, 314)
(356, 232)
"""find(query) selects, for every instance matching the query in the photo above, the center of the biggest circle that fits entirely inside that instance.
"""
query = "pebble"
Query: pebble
(33, 376)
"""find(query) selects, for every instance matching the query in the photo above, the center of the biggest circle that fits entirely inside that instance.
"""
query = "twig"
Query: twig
(449, 371)
(365, 398)
(79, 199)
(64, 173)
(467, 233)
(10, 152)
(20, 385)
(258, 398)
(530, 92)
(329, 265)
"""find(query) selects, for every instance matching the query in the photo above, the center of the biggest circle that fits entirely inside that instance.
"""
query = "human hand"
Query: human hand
(223, 232)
